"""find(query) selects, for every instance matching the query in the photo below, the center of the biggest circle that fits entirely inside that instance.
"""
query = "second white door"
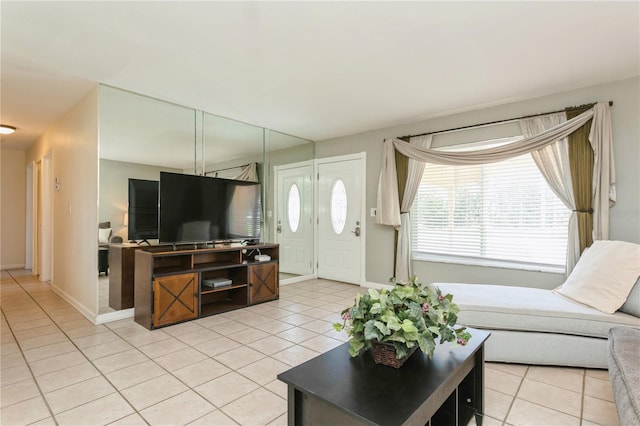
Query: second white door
(340, 220)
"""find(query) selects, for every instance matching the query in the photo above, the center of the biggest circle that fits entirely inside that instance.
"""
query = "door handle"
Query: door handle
(279, 228)
(357, 231)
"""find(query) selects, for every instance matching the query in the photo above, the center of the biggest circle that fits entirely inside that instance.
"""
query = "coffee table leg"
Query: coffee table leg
(294, 406)
(478, 372)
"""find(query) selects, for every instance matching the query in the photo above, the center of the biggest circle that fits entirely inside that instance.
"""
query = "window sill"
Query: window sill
(442, 258)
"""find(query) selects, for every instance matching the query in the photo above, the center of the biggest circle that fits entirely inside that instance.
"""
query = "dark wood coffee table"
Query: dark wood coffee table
(335, 389)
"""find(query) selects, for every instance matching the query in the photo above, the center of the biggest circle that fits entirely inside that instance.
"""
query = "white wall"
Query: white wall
(625, 215)
(73, 144)
(114, 190)
(13, 208)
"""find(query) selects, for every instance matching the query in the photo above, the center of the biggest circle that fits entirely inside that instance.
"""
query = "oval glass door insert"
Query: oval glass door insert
(338, 206)
(293, 208)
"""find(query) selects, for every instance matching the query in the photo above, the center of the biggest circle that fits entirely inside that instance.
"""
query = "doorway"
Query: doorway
(341, 221)
(294, 220)
(39, 232)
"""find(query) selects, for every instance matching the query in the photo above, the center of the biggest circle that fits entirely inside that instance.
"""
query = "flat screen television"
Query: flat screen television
(198, 209)
(143, 209)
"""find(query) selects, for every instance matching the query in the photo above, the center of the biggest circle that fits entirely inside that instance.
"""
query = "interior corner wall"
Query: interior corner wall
(624, 216)
(114, 190)
(72, 143)
(13, 192)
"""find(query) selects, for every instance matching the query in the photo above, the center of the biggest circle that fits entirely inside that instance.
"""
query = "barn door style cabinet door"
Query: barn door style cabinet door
(175, 299)
(172, 286)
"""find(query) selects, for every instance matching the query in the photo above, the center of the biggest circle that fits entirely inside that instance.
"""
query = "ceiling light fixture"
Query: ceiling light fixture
(6, 130)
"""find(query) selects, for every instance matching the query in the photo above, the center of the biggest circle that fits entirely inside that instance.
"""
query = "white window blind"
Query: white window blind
(502, 212)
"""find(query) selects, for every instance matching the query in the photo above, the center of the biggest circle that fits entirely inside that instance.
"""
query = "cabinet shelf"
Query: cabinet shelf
(225, 288)
(211, 266)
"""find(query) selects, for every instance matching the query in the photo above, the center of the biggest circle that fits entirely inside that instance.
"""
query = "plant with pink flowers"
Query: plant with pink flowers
(405, 316)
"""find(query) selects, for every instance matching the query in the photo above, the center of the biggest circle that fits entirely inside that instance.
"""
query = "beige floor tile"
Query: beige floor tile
(184, 328)
(80, 393)
(215, 418)
(229, 328)
(599, 411)
(24, 412)
(239, 357)
(598, 374)
(106, 349)
(58, 362)
(45, 422)
(96, 339)
(213, 321)
(131, 420)
(18, 392)
(12, 360)
(90, 330)
(227, 388)
(120, 360)
(270, 345)
(280, 421)
(497, 404)
(527, 413)
(135, 374)
(253, 319)
(14, 375)
(321, 343)
(274, 326)
(248, 336)
(40, 341)
(338, 335)
(78, 323)
(551, 396)
(37, 332)
(178, 410)
(566, 378)
(278, 387)
(99, 412)
(142, 339)
(297, 334)
(319, 326)
(218, 346)
(256, 408)
(598, 388)
(179, 359)
(9, 348)
(201, 372)
(164, 347)
(501, 381)
(49, 351)
(132, 330)
(66, 377)
(298, 319)
(295, 355)
(515, 369)
(153, 391)
(264, 371)
(199, 336)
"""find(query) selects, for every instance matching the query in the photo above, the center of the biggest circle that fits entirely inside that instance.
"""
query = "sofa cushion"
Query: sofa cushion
(604, 275)
(632, 305)
(624, 373)
(530, 309)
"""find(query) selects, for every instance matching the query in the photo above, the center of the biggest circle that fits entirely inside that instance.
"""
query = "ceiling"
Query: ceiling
(317, 70)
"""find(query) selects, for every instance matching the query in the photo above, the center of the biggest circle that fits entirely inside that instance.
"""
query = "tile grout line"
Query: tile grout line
(83, 354)
(33, 377)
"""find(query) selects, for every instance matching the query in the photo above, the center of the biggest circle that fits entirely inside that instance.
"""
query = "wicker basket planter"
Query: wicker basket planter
(385, 354)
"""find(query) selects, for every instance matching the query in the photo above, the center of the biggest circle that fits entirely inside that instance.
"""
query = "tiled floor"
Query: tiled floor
(58, 368)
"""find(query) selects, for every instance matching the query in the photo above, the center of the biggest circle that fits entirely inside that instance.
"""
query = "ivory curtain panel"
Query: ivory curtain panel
(601, 140)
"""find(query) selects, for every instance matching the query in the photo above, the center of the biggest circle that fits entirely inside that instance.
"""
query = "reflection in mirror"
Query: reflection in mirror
(139, 137)
(289, 203)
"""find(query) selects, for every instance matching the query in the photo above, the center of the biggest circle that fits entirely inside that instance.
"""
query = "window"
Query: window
(338, 206)
(293, 208)
(492, 214)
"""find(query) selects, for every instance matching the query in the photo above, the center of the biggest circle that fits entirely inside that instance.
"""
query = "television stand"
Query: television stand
(140, 243)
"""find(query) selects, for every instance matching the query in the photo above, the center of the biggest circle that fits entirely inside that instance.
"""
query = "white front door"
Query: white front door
(294, 218)
(340, 219)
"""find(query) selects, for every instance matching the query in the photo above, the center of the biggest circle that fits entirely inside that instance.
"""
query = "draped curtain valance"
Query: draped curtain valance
(600, 139)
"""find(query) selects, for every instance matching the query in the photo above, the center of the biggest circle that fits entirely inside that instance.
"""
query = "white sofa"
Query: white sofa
(536, 326)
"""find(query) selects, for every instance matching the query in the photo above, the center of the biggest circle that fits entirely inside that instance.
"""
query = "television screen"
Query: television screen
(205, 209)
(143, 209)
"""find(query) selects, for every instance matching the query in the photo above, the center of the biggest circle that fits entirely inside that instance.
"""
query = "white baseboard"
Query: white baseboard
(13, 266)
(370, 284)
(296, 279)
(73, 302)
(114, 316)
